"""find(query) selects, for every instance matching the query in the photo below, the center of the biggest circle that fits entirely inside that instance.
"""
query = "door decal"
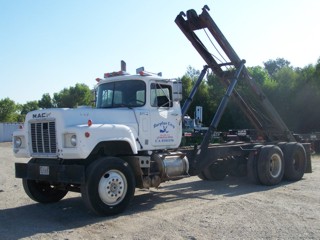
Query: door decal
(165, 132)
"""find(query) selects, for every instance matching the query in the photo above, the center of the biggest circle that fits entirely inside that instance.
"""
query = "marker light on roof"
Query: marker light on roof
(98, 79)
(144, 73)
(140, 69)
(114, 74)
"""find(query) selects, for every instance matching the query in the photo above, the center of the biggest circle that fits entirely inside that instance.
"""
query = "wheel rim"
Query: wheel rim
(112, 187)
(275, 165)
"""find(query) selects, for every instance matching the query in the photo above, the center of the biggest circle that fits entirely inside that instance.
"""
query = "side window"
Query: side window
(161, 95)
(140, 96)
(104, 96)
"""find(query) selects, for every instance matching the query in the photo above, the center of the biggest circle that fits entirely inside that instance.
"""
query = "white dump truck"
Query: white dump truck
(131, 138)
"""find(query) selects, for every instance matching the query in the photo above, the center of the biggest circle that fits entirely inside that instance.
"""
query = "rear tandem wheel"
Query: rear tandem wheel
(216, 171)
(295, 161)
(270, 165)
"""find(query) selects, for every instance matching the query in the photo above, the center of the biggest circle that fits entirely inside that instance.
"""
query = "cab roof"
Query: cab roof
(113, 77)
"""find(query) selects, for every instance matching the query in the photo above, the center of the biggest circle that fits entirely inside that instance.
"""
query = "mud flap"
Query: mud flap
(307, 147)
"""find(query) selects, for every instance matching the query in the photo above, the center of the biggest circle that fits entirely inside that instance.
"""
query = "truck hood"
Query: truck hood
(79, 116)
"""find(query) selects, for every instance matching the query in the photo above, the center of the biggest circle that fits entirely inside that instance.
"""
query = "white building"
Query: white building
(6, 130)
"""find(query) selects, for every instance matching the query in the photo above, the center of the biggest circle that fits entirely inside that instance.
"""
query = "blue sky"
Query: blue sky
(49, 45)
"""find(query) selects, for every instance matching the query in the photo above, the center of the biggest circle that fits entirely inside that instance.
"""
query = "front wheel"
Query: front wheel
(42, 192)
(109, 187)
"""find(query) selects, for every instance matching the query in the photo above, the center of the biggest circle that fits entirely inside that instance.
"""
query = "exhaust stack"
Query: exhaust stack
(123, 66)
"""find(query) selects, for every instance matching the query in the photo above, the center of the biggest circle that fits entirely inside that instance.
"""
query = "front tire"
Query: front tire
(109, 187)
(42, 192)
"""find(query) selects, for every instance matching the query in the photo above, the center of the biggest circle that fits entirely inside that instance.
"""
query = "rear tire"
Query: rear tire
(237, 166)
(295, 161)
(252, 165)
(316, 146)
(270, 165)
(109, 187)
(201, 176)
(217, 171)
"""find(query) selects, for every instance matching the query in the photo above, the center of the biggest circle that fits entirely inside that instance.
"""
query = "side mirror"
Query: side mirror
(177, 90)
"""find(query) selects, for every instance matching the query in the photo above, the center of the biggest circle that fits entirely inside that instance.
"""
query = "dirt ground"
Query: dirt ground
(184, 209)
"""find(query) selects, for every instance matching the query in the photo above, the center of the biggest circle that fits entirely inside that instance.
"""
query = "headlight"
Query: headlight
(70, 140)
(17, 142)
(73, 140)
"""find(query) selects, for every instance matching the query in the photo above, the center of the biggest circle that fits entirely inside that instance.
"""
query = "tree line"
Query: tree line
(294, 92)
(71, 97)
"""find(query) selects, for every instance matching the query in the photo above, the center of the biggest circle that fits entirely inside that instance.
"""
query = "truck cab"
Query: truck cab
(132, 113)
(151, 101)
(126, 141)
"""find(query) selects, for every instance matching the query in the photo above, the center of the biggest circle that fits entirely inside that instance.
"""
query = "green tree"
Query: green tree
(306, 98)
(45, 101)
(317, 71)
(260, 75)
(235, 117)
(192, 72)
(72, 97)
(272, 66)
(216, 90)
(8, 110)
(295, 93)
(29, 106)
(187, 86)
(201, 98)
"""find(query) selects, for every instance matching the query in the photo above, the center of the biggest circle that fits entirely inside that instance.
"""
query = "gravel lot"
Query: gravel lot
(184, 209)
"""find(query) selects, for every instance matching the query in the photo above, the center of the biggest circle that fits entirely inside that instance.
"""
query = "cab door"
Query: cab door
(165, 117)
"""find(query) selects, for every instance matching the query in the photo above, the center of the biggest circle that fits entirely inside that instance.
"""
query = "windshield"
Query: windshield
(131, 93)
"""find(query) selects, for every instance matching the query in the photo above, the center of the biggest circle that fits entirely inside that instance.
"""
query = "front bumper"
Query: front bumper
(54, 173)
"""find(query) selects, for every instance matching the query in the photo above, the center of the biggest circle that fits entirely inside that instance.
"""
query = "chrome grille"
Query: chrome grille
(43, 137)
